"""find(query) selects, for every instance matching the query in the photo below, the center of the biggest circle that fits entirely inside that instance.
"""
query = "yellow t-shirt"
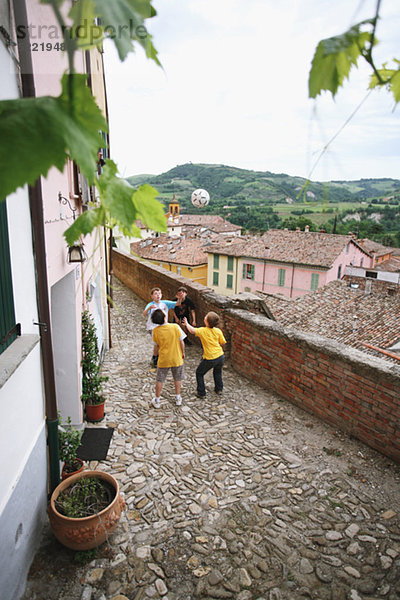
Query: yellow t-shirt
(211, 339)
(167, 337)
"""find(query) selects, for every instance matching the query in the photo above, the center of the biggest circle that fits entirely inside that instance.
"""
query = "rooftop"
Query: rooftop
(304, 247)
(342, 313)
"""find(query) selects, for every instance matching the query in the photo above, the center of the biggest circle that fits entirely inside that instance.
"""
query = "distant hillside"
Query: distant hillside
(231, 185)
(260, 200)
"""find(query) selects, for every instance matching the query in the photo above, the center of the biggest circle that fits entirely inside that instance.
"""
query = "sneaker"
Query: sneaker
(156, 402)
(218, 392)
(178, 401)
(200, 395)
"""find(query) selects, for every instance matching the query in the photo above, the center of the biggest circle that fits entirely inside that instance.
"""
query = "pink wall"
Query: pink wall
(298, 279)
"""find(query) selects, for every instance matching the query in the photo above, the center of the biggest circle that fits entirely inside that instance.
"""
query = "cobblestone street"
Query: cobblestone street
(242, 496)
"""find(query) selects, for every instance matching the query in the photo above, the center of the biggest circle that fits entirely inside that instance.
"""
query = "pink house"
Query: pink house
(293, 263)
(42, 296)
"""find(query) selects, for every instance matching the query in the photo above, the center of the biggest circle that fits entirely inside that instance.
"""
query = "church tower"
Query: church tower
(173, 209)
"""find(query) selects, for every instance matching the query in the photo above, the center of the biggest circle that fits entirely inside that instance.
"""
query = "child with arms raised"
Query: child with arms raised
(212, 340)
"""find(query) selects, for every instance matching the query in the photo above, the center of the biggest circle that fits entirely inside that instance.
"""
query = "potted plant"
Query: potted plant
(85, 509)
(69, 440)
(92, 381)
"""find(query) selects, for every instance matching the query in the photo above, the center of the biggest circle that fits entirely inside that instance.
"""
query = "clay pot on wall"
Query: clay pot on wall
(86, 532)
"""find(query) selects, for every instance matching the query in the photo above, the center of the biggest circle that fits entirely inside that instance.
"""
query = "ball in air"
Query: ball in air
(200, 198)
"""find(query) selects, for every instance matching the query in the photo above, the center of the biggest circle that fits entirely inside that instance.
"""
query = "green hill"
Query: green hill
(261, 199)
(230, 183)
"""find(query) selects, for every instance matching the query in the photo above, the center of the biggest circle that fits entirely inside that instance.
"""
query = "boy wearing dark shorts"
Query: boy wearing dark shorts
(168, 338)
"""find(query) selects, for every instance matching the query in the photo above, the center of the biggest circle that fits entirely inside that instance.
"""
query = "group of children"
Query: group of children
(169, 343)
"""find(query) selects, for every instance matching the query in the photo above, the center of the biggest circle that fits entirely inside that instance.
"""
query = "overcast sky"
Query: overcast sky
(233, 90)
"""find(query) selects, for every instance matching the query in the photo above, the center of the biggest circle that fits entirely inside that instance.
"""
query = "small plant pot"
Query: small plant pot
(87, 532)
(95, 412)
(65, 474)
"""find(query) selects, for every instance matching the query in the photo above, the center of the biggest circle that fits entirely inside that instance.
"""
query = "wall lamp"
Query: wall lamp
(76, 254)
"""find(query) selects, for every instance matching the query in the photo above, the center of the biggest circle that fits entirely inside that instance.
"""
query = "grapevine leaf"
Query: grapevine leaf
(123, 22)
(85, 224)
(125, 205)
(149, 209)
(116, 194)
(389, 77)
(54, 129)
(334, 58)
(395, 86)
(85, 30)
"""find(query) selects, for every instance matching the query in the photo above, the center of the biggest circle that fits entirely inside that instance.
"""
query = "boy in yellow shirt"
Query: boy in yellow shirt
(168, 341)
(212, 340)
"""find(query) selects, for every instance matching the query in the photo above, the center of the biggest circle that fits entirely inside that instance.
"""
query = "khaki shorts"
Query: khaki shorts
(178, 373)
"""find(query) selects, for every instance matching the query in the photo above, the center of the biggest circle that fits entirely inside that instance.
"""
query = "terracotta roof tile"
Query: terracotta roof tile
(340, 312)
(302, 247)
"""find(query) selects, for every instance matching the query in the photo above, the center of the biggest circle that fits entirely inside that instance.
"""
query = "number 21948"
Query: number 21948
(46, 47)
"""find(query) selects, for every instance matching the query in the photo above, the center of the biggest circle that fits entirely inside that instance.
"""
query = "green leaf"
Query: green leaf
(85, 224)
(123, 22)
(149, 209)
(83, 123)
(334, 58)
(84, 29)
(54, 129)
(387, 77)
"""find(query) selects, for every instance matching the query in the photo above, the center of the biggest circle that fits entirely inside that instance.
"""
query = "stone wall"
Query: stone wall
(342, 386)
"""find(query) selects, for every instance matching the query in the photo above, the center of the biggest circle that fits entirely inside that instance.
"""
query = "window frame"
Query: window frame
(314, 281)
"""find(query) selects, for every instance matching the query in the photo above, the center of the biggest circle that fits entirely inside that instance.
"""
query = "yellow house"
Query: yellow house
(225, 267)
(183, 256)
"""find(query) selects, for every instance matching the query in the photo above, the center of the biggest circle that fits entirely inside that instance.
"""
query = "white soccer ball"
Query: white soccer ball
(200, 198)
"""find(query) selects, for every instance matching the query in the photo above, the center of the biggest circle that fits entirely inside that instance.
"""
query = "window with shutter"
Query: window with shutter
(9, 329)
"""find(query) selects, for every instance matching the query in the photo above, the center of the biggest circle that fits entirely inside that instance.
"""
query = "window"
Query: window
(230, 263)
(216, 261)
(339, 271)
(229, 281)
(314, 280)
(371, 274)
(8, 328)
(178, 270)
(215, 278)
(281, 277)
(248, 271)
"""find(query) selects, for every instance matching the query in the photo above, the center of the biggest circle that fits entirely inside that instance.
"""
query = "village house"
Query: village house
(284, 262)
(179, 224)
(44, 288)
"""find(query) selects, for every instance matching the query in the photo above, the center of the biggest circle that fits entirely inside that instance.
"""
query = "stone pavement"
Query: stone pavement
(242, 496)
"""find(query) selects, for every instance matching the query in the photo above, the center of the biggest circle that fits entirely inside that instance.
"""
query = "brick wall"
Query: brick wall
(342, 386)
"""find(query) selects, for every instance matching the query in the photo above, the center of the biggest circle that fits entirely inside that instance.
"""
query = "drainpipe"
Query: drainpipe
(291, 283)
(39, 250)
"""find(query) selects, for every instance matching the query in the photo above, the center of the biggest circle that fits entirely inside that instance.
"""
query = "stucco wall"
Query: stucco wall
(350, 390)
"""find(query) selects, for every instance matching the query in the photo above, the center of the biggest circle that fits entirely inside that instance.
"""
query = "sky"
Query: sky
(233, 90)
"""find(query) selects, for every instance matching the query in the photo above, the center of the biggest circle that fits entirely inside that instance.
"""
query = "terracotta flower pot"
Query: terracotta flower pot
(87, 532)
(65, 473)
(95, 412)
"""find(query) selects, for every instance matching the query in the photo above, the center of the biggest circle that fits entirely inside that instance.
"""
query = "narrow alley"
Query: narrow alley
(242, 496)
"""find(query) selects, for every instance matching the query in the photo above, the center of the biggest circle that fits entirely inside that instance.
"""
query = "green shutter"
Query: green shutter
(215, 278)
(244, 271)
(230, 263)
(281, 277)
(229, 281)
(216, 261)
(314, 280)
(252, 271)
(8, 328)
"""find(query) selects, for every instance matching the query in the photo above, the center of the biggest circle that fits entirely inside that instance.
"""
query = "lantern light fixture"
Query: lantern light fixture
(76, 254)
